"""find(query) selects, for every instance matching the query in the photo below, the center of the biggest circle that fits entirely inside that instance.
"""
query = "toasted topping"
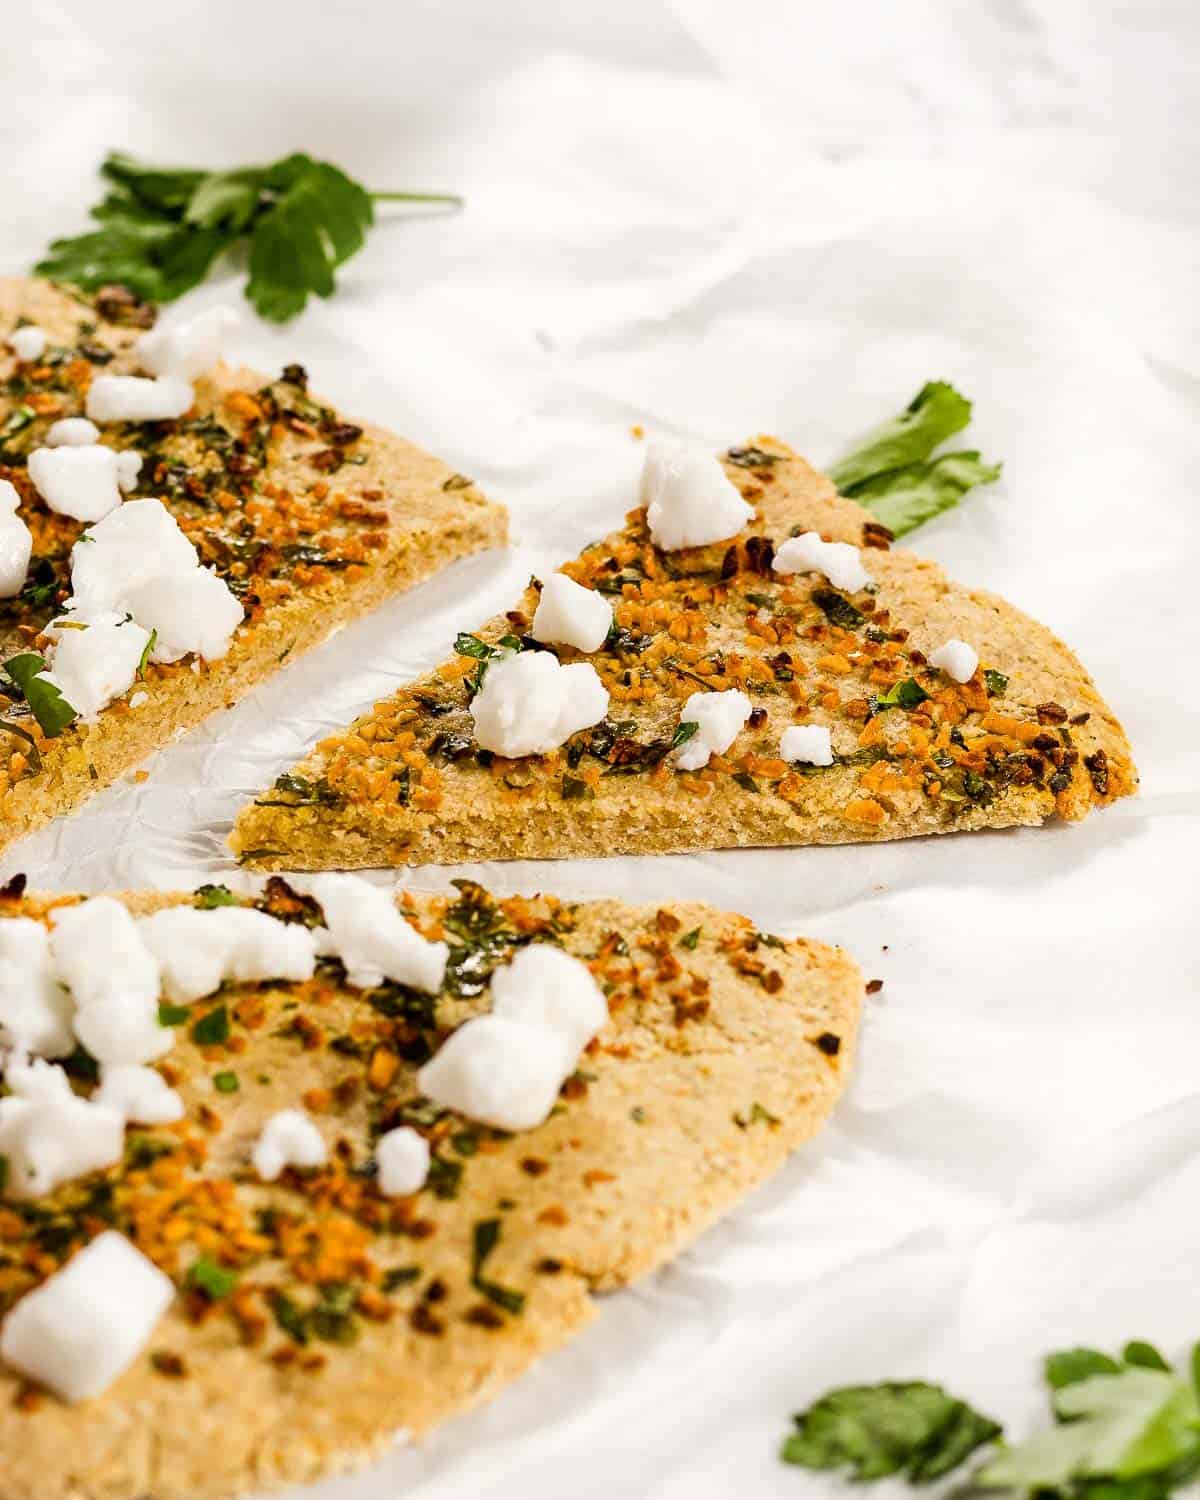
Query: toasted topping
(87, 1323)
(547, 987)
(141, 1096)
(530, 704)
(35, 1009)
(718, 718)
(289, 1139)
(402, 1157)
(72, 432)
(570, 615)
(48, 1135)
(366, 931)
(807, 744)
(131, 398)
(499, 1071)
(198, 950)
(839, 561)
(188, 349)
(958, 660)
(84, 483)
(16, 543)
(28, 343)
(689, 499)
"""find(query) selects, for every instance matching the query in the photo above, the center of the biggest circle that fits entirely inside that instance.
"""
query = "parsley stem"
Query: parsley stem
(451, 198)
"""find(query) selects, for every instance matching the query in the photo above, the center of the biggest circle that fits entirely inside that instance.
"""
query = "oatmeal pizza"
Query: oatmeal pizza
(748, 661)
(172, 531)
(285, 1176)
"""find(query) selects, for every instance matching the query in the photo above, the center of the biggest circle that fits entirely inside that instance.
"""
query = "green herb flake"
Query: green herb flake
(576, 790)
(172, 1015)
(212, 1029)
(690, 939)
(995, 682)
(226, 1082)
(144, 659)
(47, 704)
(837, 609)
(908, 1428)
(685, 730)
(906, 694)
(471, 645)
(209, 897)
(215, 1281)
(486, 1238)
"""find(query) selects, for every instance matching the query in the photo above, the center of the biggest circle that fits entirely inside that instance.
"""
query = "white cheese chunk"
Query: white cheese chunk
(196, 612)
(365, 929)
(72, 432)
(689, 499)
(288, 1139)
(808, 744)
(48, 1135)
(402, 1156)
(132, 398)
(113, 978)
(87, 1324)
(719, 718)
(129, 466)
(570, 615)
(133, 545)
(198, 950)
(35, 1010)
(28, 343)
(956, 658)
(547, 987)
(140, 1095)
(496, 1070)
(94, 657)
(79, 482)
(16, 543)
(530, 704)
(839, 561)
(187, 349)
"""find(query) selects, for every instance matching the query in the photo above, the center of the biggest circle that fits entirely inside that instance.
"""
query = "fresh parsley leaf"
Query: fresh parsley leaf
(172, 1015)
(212, 1029)
(907, 693)
(894, 474)
(208, 897)
(910, 1428)
(49, 707)
(471, 645)
(1070, 1366)
(685, 730)
(161, 229)
(212, 1279)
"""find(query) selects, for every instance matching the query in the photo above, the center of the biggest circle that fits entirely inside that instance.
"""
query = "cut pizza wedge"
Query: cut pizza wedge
(800, 682)
(308, 1307)
(299, 519)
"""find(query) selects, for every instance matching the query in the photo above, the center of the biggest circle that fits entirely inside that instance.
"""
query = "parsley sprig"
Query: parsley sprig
(161, 229)
(1126, 1428)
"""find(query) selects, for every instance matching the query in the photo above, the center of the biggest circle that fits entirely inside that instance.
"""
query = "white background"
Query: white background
(717, 220)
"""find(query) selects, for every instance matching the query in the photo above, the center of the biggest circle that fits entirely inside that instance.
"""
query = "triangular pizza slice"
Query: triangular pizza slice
(762, 667)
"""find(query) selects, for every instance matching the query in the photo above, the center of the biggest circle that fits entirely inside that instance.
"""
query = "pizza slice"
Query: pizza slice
(750, 663)
(148, 491)
(293, 1233)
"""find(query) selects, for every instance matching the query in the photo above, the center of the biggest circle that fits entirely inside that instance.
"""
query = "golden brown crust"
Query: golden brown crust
(385, 522)
(725, 1052)
(1042, 744)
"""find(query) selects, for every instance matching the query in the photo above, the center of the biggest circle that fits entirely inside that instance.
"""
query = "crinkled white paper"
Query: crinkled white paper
(713, 221)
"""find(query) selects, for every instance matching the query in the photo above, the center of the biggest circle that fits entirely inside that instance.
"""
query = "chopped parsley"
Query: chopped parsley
(212, 1029)
(46, 703)
(486, 1238)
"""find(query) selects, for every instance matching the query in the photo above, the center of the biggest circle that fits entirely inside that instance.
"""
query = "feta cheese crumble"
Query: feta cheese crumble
(141, 1096)
(16, 543)
(956, 659)
(690, 501)
(28, 343)
(570, 615)
(719, 718)
(93, 658)
(548, 988)
(35, 1010)
(530, 703)
(196, 612)
(86, 1324)
(113, 978)
(366, 930)
(187, 349)
(85, 483)
(197, 951)
(497, 1070)
(288, 1139)
(132, 398)
(72, 432)
(48, 1135)
(135, 544)
(839, 561)
(402, 1156)
(807, 744)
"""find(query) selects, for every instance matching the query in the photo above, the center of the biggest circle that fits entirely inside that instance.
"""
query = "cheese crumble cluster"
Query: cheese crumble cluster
(105, 992)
